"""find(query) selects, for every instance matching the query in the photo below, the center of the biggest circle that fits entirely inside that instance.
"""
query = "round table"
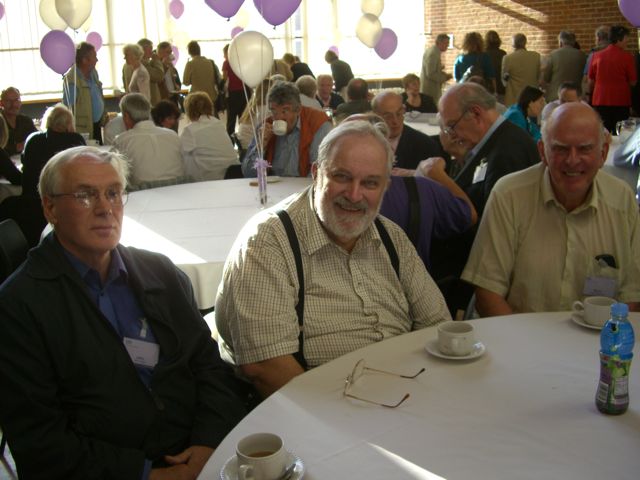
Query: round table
(524, 410)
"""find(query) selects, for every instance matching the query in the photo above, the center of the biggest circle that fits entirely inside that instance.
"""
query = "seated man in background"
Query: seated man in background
(559, 230)
(108, 370)
(307, 86)
(153, 152)
(567, 92)
(326, 96)
(290, 152)
(410, 145)
(357, 99)
(355, 293)
(20, 126)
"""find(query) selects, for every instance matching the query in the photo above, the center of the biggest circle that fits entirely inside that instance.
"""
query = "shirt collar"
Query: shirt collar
(317, 237)
(548, 196)
(487, 136)
(117, 268)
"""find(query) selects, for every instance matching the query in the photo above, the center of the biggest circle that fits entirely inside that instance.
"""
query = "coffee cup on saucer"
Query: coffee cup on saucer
(279, 127)
(261, 456)
(593, 310)
(456, 339)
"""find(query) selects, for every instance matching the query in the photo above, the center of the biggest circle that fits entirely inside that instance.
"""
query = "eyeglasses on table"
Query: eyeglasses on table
(358, 371)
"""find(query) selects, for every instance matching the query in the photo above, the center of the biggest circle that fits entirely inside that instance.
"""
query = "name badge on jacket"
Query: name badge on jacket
(142, 353)
(480, 171)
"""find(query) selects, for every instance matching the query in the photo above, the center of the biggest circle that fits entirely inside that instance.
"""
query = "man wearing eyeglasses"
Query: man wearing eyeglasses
(107, 369)
(410, 146)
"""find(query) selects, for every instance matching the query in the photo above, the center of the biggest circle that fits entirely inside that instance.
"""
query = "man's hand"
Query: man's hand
(186, 465)
(432, 167)
(402, 172)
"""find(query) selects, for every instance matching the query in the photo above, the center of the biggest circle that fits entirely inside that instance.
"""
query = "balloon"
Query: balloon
(58, 51)
(225, 8)
(631, 11)
(50, 16)
(387, 44)
(176, 8)
(74, 12)
(334, 49)
(242, 18)
(369, 30)
(95, 39)
(176, 54)
(86, 25)
(1, 10)
(374, 7)
(276, 11)
(250, 57)
(235, 31)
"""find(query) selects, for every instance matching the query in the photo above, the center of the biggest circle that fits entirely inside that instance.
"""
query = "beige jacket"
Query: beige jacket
(199, 74)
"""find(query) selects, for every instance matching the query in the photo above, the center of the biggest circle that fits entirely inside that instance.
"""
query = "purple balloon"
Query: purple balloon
(276, 11)
(95, 39)
(387, 44)
(334, 49)
(631, 11)
(58, 51)
(1, 10)
(235, 31)
(176, 54)
(225, 8)
(176, 8)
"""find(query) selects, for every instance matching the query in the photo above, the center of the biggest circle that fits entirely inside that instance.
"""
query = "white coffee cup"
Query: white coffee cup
(456, 338)
(279, 127)
(594, 310)
(261, 456)
(92, 142)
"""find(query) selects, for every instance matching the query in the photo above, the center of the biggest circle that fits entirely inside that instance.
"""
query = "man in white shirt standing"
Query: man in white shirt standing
(153, 152)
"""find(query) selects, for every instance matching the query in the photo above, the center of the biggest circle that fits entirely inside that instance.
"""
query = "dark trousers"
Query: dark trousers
(236, 104)
(97, 132)
(612, 115)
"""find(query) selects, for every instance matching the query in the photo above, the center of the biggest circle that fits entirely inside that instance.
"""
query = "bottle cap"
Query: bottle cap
(619, 310)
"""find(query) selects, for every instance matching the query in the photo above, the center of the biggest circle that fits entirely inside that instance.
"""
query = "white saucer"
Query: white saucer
(272, 179)
(578, 320)
(230, 468)
(478, 351)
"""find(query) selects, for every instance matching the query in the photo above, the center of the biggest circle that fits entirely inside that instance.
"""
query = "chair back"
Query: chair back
(13, 248)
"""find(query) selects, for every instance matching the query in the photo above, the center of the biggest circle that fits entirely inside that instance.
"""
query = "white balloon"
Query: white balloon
(251, 57)
(369, 30)
(242, 18)
(374, 7)
(87, 25)
(74, 12)
(49, 15)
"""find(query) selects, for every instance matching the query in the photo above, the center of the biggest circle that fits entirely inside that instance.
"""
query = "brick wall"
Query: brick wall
(539, 20)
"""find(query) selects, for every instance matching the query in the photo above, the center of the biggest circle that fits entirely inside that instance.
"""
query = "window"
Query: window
(316, 25)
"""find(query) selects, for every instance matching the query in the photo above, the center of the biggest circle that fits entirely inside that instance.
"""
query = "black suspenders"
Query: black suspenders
(295, 248)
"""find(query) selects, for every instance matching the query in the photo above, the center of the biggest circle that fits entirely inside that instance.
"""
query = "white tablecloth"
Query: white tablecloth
(195, 224)
(524, 410)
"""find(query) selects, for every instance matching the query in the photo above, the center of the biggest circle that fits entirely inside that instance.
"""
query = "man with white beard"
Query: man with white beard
(362, 280)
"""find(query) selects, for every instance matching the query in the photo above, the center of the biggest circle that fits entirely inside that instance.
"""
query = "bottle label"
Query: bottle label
(612, 395)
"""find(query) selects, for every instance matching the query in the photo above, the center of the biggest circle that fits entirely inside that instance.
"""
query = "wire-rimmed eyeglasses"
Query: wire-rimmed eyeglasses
(116, 197)
(451, 129)
(357, 372)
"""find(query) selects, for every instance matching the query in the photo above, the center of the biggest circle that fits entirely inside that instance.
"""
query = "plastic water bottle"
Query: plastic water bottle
(616, 351)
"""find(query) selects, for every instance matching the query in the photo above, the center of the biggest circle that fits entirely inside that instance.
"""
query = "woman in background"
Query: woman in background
(206, 148)
(140, 81)
(474, 62)
(413, 100)
(492, 41)
(526, 112)
(7, 169)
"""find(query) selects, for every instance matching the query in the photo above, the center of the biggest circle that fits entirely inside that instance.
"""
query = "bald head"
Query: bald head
(389, 106)
(573, 115)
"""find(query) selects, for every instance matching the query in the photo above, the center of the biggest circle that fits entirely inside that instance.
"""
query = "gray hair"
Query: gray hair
(519, 40)
(469, 93)
(307, 85)
(381, 96)
(58, 118)
(356, 128)
(551, 122)
(50, 176)
(136, 106)
(133, 48)
(567, 38)
(602, 33)
(323, 76)
(284, 93)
